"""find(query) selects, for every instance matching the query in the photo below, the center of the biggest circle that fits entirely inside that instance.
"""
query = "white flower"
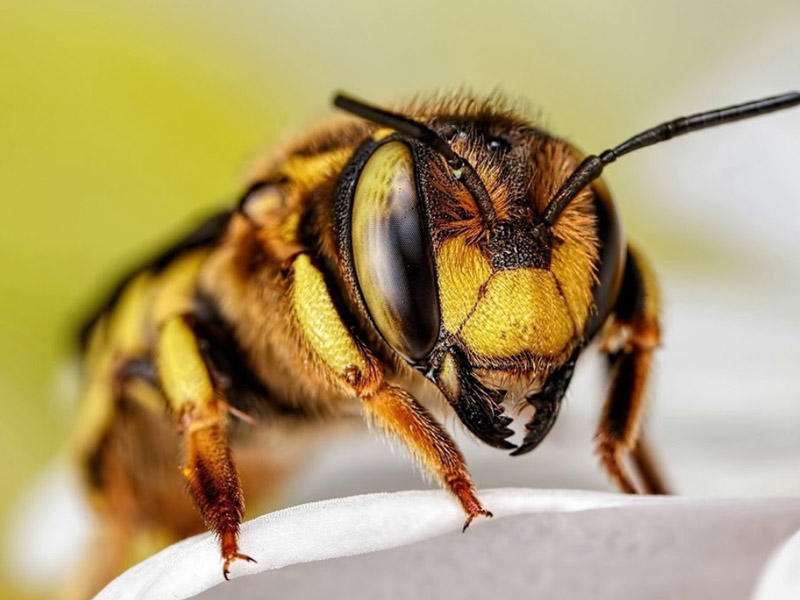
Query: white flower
(541, 543)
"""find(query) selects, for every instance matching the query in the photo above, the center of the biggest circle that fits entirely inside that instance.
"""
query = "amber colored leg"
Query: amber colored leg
(398, 413)
(630, 340)
(649, 473)
(202, 418)
(620, 421)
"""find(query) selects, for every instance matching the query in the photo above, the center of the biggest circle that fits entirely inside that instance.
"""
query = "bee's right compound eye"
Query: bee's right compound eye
(392, 254)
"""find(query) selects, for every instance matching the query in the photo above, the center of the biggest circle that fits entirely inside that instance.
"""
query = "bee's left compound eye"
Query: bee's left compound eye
(392, 254)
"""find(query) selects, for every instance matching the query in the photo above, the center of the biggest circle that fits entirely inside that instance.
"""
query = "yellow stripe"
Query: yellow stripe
(128, 321)
(96, 406)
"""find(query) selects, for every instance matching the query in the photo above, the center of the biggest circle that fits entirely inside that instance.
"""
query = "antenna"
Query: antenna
(592, 166)
(462, 169)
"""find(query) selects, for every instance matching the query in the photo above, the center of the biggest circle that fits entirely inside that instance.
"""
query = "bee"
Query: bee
(447, 249)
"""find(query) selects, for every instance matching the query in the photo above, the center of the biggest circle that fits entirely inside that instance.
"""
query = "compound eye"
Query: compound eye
(392, 254)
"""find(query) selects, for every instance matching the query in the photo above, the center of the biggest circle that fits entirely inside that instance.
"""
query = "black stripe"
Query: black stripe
(229, 366)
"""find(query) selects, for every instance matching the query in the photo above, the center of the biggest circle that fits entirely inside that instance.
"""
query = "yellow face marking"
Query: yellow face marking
(447, 377)
(183, 373)
(320, 322)
(572, 266)
(462, 272)
(522, 310)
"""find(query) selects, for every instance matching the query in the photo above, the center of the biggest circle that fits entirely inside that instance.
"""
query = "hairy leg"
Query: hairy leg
(201, 414)
(399, 414)
(630, 340)
(351, 367)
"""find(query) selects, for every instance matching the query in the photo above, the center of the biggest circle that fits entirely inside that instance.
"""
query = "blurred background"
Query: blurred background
(121, 122)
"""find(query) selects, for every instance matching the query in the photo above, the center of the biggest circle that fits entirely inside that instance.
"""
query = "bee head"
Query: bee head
(442, 233)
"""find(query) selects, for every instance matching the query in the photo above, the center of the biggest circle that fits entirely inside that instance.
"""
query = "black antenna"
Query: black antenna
(592, 166)
(462, 169)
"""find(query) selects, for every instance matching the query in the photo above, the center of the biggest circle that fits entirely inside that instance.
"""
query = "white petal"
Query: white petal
(780, 579)
(48, 529)
(563, 544)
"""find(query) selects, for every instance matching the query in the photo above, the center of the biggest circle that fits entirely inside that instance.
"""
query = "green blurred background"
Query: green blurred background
(122, 121)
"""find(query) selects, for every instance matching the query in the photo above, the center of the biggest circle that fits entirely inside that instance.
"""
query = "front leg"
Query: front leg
(350, 365)
(399, 414)
(201, 415)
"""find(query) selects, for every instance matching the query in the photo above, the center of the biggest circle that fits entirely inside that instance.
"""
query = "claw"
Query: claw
(226, 570)
(479, 513)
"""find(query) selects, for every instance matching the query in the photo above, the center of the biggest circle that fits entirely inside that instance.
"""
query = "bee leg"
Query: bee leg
(105, 458)
(630, 339)
(352, 368)
(201, 413)
(647, 468)
(402, 416)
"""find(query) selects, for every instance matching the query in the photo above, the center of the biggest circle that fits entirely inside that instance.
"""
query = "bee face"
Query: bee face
(479, 304)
